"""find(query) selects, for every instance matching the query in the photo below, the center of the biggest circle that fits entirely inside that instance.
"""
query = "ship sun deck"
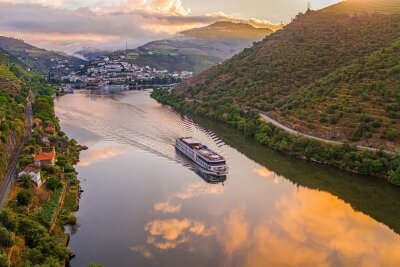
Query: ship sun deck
(204, 151)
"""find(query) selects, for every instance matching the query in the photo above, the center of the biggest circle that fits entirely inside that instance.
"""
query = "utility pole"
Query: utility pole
(309, 6)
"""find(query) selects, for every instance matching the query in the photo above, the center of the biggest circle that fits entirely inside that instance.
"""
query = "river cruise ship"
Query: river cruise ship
(202, 156)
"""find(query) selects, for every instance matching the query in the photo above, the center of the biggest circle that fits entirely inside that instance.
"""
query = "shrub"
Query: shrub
(24, 198)
(8, 220)
(390, 134)
(3, 260)
(32, 231)
(53, 183)
(6, 239)
(395, 177)
(26, 181)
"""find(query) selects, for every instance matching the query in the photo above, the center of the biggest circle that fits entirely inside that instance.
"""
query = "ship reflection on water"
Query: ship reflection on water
(209, 178)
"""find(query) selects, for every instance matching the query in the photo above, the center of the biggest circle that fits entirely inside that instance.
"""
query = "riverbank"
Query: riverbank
(46, 195)
(344, 157)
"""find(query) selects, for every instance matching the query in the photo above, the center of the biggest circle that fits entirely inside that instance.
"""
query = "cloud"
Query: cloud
(142, 250)
(235, 234)
(96, 155)
(55, 25)
(258, 23)
(168, 234)
(199, 189)
(167, 207)
(309, 228)
(263, 172)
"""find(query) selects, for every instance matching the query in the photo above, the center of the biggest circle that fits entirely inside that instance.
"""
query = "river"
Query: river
(144, 204)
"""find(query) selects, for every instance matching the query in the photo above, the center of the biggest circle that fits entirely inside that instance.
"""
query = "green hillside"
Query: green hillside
(316, 44)
(360, 102)
(12, 102)
(197, 49)
(39, 60)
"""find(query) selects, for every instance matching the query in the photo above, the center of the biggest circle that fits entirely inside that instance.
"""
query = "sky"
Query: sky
(70, 25)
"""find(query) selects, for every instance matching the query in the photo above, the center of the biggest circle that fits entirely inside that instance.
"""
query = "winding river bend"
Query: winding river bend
(146, 205)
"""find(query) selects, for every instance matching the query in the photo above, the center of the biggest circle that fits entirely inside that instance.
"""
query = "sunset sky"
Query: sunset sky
(69, 25)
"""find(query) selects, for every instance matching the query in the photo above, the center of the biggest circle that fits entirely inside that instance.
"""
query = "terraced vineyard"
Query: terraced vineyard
(8, 80)
(360, 102)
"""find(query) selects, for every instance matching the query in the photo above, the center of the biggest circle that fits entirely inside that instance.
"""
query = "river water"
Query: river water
(144, 204)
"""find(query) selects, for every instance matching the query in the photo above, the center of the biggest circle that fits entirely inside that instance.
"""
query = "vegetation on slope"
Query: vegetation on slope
(32, 222)
(310, 48)
(197, 49)
(360, 102)
(12, 106)
(39, 60)
(324, 73)
(344, 157)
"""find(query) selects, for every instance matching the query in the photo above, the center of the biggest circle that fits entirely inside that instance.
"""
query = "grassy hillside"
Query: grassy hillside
(198, 49)
(360, 102)
(315, 45)
(39, 60)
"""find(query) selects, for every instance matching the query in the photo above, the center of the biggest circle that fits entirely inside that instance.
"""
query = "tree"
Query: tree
(6, 239)
(3, 260)
(395, 177)
(26, 181)
(24, 198)
(53, 183)
(8, 220)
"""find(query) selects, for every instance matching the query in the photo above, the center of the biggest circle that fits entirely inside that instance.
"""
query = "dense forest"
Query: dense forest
(268, 76)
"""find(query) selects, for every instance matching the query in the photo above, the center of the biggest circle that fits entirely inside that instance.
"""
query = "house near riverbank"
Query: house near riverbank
(36, 122)
(45, 159)
(34, 173)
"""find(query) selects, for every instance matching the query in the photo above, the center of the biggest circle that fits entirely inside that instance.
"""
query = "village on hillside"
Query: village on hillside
(106, 73)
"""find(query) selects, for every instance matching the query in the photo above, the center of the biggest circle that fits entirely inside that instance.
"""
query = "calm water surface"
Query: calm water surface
(145, 205)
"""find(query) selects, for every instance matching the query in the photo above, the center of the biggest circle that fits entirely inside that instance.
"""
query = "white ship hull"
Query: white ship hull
(216, 167)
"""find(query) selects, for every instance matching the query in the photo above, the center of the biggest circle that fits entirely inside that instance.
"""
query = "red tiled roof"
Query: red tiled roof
(48, 129)
(36, 120)
(44, 156)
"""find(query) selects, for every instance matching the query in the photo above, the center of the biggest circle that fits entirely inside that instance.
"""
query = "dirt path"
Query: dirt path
(289, 130)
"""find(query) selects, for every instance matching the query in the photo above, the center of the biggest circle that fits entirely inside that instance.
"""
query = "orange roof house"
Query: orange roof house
(45, 159)
(36, 122)
(49, 129)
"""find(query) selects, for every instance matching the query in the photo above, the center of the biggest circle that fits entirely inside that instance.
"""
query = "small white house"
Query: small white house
(34, 173)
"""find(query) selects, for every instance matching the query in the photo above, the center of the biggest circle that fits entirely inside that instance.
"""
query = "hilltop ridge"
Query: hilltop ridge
(197, 49)
(40, 60)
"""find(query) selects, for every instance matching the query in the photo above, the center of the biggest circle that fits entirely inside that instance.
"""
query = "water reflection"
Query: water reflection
(145, 205)
(328, 239)
(168, 234)
(96, 155)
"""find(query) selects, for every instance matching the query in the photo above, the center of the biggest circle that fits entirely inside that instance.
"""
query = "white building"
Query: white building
(34, 173)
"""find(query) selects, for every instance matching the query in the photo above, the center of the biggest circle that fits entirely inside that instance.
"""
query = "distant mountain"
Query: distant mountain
(40, 60)
(198, 49)
(332, 73)
(225, 30)
(89, 53)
